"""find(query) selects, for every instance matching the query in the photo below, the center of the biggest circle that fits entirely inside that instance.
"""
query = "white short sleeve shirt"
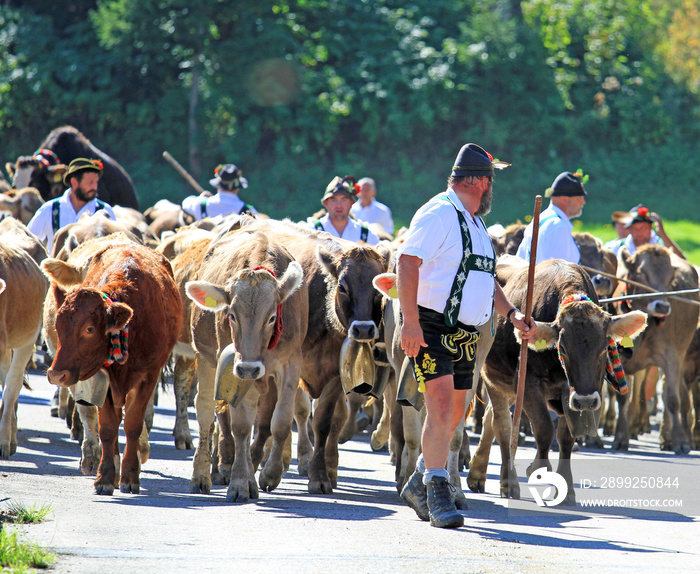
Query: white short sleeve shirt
(41, 224)
(375, 212)
(554, 240)
(221, 203)
(435, 237)
(352, 231)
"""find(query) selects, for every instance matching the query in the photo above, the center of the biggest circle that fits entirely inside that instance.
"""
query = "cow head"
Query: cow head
(650, 265)
(353, 306)
(22, 204)
(595, 256)
(252, 302)
(85, 322)
(30, 171)
(580, 335)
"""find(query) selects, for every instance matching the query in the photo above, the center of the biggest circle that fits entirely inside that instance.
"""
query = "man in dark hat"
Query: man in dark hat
(447, 292)
(338, 198)
(228, 181)
(567, 198)
(639, 224)
(80, 198)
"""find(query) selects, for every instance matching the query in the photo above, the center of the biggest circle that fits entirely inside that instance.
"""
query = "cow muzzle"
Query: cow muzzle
(602, 285)
(60, 378)
(584, 402)
(581, 422)
(660, 308)
(252, 370)
(363, 331)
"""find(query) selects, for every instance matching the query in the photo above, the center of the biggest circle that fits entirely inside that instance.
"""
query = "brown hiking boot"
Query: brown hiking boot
(414, 495)
(442, 511)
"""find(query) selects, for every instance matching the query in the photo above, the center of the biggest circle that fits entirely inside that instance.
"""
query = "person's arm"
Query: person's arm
(407, 284)
(517, 317)
(668, 242)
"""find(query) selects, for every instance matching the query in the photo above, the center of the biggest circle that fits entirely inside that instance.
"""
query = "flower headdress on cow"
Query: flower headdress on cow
(228, 177)
(346, 185)
(82, 164)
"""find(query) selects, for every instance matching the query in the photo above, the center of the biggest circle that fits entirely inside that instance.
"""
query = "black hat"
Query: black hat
(228, 176)
(475, 161)
(346, 185)
(567, 184)
(639, 214)
(82, 164)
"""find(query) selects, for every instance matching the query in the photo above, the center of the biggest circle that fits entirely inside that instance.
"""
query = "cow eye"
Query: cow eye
(90, 330)
(232, 317)
(342, 289)
(272, 319)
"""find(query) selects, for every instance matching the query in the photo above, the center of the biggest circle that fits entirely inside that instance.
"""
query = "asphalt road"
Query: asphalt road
(362, 527)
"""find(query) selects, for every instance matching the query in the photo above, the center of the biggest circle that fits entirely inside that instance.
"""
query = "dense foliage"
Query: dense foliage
(297, 91)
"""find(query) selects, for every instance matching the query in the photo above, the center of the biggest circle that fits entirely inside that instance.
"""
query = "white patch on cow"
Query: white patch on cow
(363, 331)
(584, 402)
(248, 370)
(184, 350)
(22, 177)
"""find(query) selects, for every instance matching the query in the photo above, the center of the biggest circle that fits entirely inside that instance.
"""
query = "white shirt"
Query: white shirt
(221, 203)
(554, 240)
(435, 237)
(352, 231)
(41, 224)
(375, 212)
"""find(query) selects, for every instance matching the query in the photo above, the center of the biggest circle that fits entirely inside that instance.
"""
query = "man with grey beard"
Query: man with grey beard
(447, 288)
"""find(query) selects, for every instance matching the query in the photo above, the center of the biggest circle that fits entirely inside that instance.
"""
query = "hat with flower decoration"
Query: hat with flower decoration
(228, 177)
(346, 185)
(639, 214)
(568, 184)
(473, 160)
(82, 164)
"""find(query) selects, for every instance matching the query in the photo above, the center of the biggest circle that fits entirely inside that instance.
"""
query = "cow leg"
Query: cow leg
(302, 412)
(397, 443)
(633, 407)
(204, 405)
(675, 435)
(476, 479)
(319, 481)
(109, 419)
(91, 451)
(608, 417)
(183, 376)
(503, 429)
(74, 422)
(355, 402)
(695, 404)
(242, 486)
(266, 406)
(412, 431)
(64, 398)
(542, 427)
(134, 424)
(380, 436)
(10, 399)
(281, 428)
(224, 447)
(566, 444)
(622, 430)
(339, 418)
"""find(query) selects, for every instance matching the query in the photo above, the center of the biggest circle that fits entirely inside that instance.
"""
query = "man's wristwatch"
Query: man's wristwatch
(513, 310)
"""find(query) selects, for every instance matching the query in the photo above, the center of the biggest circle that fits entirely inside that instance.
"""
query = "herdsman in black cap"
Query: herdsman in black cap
(555, 240)
(228, 181)
(80, 198)
(447, 292)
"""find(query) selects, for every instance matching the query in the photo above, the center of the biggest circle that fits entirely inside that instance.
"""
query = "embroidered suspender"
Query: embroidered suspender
(470, 262)
(364, 230)
(247, 209)
(56, 212)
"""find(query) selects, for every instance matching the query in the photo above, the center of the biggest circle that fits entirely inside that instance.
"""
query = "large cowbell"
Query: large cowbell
(407, 393)
(229, 387)
(357, 368)
(92, 391)
(581, 423)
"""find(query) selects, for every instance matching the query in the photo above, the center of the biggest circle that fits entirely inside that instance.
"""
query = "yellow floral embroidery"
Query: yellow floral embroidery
(429, 365)
(419, 378)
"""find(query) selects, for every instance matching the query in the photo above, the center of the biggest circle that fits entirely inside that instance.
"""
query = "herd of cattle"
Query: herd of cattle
(264, 316)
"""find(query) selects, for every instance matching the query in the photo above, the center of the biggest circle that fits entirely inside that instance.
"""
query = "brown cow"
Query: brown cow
(22, 292)
(22, 203)
(671, 328)
(248, 326)
(595, 256)
(566, 376)
(125, 287)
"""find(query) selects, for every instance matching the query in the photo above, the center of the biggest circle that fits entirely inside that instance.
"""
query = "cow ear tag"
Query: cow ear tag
(393, 292)
(540, 345)
(627, 342)
(209, 301)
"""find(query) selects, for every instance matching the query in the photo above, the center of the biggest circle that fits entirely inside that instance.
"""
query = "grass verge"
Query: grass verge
(16, 554)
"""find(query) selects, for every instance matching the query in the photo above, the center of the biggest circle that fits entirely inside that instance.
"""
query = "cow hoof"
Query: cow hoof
(620, 445)
(89, 467)
(104, 489)
(184, 444)
(303, 467)
(219, 479)
(682, 449)
(269, 483)
(128, 488)
(200, 486)
(476, 483)
(461, 503)
(320, 487)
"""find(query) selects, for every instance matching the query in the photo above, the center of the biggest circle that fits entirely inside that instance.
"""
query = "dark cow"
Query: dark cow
(508, 241)
(127, 294)
(248, 325)
(595, 256)
(665, 342)
(45, 171)
(575, 331)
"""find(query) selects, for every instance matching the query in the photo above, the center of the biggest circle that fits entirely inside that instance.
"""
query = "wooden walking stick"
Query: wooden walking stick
(520, 391)
(181, 170)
